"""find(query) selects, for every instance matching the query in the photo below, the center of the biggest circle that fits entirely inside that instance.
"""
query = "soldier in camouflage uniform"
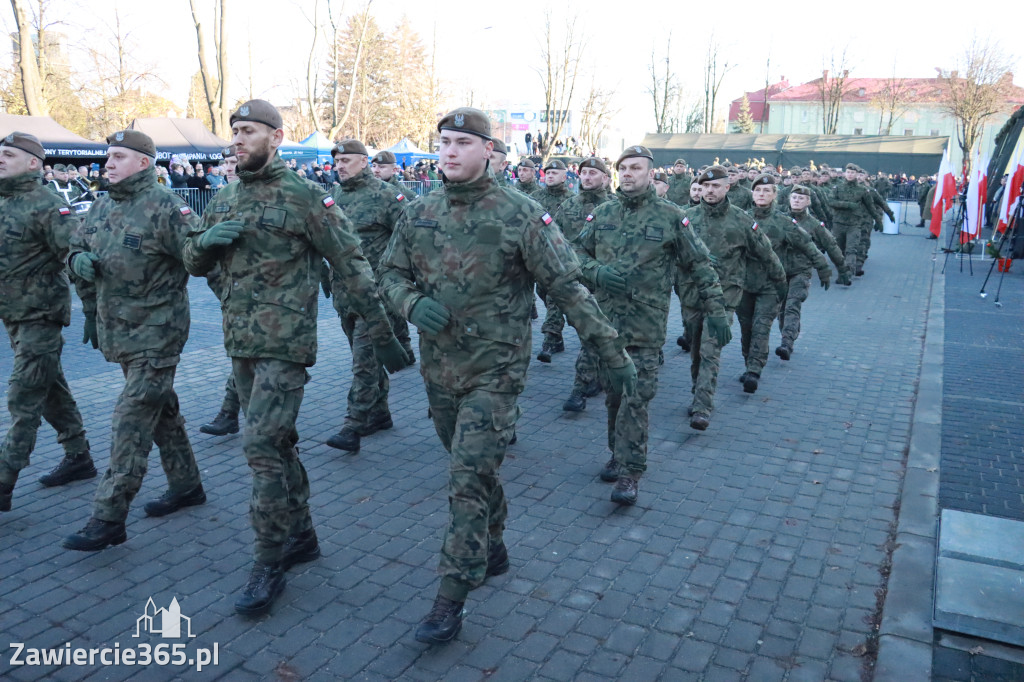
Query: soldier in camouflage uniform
(571, 216)
(850, 204)
(461, 266)
(683, 341)
(679, 183)
(760, 302)
(798, 268)
(372, 208)
(268, 233)
(739, 196)
(499, 164)
(35, 303)
(660, 183)
(632, 250)
(735, 241)
(876, 223)
(550, 198)
(527, 180)
(129, 248)
(385, 167)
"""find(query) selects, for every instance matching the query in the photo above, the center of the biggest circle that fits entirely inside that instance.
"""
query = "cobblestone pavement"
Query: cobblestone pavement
(754, 552)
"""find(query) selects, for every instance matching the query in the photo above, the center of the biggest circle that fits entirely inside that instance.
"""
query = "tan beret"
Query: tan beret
(259, 111)
(594, 162)
(635, 150)
(384, 157)
(229, 152)
(554, 164)
(763, 179)
(499, 146)
(713, 173)
(527, 163)
(350, 147)
(26, 143)
(466, 120)
(661, 177)
(802, 189)
(135, 140)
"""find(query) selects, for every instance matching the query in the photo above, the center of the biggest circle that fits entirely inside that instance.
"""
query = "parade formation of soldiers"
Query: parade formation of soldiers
(462, 264)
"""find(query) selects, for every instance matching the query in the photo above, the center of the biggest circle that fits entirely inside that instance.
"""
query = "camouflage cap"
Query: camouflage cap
(385, 157)
(258, 111)
(136, 140)
(679, 161)
(713, 173)
(594, 162)
(801, 189)
(349, 147)
(661, 177)
(466, 120)
(26, 143)
(59, 168)
(851, 166)
(499, 146)
(229, 152)
(763, 179)
(635, 150)
(527, 163)
(554, 164)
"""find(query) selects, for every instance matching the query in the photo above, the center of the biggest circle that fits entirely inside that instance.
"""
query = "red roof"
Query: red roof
(756, 99)
(920, 90)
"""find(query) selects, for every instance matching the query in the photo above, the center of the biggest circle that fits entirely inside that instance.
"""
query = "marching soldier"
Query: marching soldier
(385, 167)
(499, 163)
(527, 180)
(129, 248)
(850, 204)
(661, 185)
(679, 183)
(554, 193)
(739, 196)
(35, 303)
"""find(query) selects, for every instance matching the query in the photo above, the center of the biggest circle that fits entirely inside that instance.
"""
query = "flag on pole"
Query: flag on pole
(1015, 172)
(945, 190)
(974, 215)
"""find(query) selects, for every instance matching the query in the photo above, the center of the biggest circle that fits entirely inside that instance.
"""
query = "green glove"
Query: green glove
(89, 333)
(429, 316)
(844, 278)
(825, 276)
(608, 279)
(623, 379)
(782, 289)
(82, 265)
(220, 234)
(718, 325)
(878, 227)
(325, 281)
(392, 355)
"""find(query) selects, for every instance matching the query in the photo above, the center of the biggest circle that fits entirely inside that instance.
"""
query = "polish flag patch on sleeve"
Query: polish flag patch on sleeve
(754, 227)
(546, 218)
(184, 210)
(328, 201)
(795, 222)
(64, 210)
(590, 217)
(400, 197)
(686, 222)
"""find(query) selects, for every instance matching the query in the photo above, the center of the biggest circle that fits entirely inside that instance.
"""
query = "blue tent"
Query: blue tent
(407, 154)
(321, 145)
(293, 150)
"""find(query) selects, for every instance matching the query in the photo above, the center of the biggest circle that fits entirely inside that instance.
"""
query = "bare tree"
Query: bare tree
(979, 89)
(561, 68)
(714, 73)
(215, 84)
(832, 91)
(664, 90)
(337, 115)
(309, 105)
(31, 84)
(595, 116)
(894, 100)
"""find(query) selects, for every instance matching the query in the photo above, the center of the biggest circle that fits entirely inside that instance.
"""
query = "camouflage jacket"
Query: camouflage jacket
(679, 189)
(372, 207)
(35, 227)
(791, 244)
(571, 215)
(272, 271)
(477, 249)
(822, 238)
(882, 186)
(396, 183)
(879, 206)
(529, 189)
(736, 241)
(741, 197)
(851, 204)
(647, 240)
(552, 197)
(140, 294)
(820, 206)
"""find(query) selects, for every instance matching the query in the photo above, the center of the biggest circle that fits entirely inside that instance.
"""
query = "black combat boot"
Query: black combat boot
(442, 623)
(683, 343)
(576, 402)
(784, 351)
(172, 501)
(224, 423)
(6, 493)
(76, 467)
(96, 535)
(300, 549)
(266, 582)
(750, 382)
(347, 439)
(551, 346)
(610, 471)
(591, 389)
(700, 421)
(625, 490)
(497, 559)
(743, 377)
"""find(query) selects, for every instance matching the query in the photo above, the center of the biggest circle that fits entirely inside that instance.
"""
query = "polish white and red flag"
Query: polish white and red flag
(945, 190)
(1015, 176)
(977, 190)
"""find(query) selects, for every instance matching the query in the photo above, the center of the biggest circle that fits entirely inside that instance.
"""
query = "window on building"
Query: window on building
(860, 92)
(858, 131)
(803, 116)
(935, 132)
(909, 132)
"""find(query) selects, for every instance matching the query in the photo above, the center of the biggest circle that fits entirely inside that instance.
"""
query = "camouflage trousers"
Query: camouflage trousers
(848, 237)
(146, 413)
(368, 394)
(789, 316)
(756, 314)
(587, 364)
(628, 415)
(705, 360)
(554, 321)
(475, 429)
(231, 404)
(271, 393)
(38, 390)
(865, 244)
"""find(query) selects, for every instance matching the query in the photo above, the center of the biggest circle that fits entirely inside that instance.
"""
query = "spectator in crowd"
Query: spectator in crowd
(214, 177)
(177, 176)
(198, 180)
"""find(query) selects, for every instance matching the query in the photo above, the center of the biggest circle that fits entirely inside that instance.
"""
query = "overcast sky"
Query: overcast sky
(492, 49)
